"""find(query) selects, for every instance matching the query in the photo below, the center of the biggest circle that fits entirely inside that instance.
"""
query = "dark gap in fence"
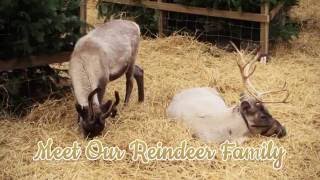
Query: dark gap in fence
(20, 90)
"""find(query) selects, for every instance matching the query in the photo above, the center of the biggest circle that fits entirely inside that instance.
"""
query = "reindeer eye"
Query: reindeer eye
(264, 118)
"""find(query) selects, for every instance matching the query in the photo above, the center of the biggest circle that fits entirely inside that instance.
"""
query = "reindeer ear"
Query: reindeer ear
(245, 106)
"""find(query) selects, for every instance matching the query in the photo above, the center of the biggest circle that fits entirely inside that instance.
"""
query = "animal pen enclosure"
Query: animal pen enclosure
(176, 17)
(165, 75)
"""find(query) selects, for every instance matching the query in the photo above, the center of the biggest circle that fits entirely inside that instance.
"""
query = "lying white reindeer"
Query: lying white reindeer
(101, 56)
(204, 111)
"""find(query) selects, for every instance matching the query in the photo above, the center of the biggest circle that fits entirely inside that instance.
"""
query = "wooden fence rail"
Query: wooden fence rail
(158, 5)
(263, 18)
(20, 63)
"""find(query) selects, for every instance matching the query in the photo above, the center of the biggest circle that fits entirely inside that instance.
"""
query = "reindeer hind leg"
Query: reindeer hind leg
(129, 84)
(138, 75)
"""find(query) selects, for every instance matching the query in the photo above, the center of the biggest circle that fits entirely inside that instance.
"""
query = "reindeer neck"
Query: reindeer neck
(84, 101)
(240, 121)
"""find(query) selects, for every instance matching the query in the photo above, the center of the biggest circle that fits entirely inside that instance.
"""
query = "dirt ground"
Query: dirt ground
(172, 64)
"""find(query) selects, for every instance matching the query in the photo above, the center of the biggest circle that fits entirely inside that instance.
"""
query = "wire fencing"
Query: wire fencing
(211, 29)
(217, 30)
(221, 31)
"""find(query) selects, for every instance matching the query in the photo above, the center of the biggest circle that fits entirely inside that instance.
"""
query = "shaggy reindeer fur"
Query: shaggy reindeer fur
(103, 55)
(205, 112)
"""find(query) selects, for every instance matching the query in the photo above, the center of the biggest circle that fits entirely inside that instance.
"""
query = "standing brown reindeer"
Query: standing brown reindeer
(101, 56)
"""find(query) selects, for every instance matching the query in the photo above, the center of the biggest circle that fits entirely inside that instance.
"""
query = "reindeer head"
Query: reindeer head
(258, 119)
(252, 109)
(92, 117)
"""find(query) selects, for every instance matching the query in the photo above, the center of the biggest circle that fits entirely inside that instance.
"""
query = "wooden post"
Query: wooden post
(264, 30)
(160, 21)
(83, 15)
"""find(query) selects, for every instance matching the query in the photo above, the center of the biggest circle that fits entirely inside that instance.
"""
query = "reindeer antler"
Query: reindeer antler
(112, 111)
(247, 69)
(90, 101)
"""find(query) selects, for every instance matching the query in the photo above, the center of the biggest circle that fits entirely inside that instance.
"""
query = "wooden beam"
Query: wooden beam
(160, 21)
(264, 30)
(21, 63)
(83, 15)
(276, 10)
(194, 10)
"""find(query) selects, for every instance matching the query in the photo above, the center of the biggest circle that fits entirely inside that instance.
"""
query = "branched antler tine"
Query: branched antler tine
(246, 64)
(247, 71)
(256, 96)
(273, 92)
(250, 52)
(283, 89)
(234, 46)
(240, 67)
(252, 71)
(250, 63)
(247, 48)
(282, 101)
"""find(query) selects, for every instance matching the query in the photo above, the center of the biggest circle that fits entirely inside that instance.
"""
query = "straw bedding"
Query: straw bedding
(172, 64)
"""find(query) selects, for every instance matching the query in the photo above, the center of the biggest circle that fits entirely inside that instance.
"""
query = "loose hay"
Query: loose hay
(172, 64)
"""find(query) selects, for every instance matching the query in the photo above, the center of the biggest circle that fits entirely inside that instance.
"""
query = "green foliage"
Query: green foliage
(38, 26)
(285, 31)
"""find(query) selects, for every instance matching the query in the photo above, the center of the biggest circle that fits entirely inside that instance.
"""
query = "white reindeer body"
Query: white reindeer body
(102, 55)
(207, 115)
(204, 111)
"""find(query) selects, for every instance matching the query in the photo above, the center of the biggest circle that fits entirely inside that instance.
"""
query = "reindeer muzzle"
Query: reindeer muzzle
(276, 129)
